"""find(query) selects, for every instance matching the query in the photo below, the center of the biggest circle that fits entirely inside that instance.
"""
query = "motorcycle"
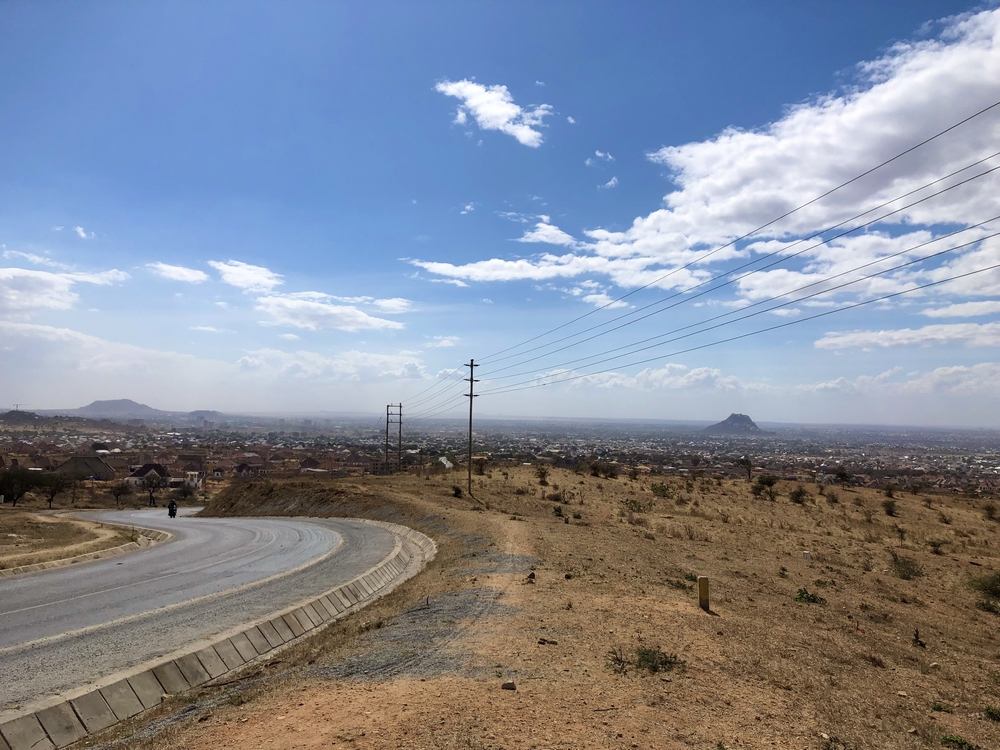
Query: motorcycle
(172, 511)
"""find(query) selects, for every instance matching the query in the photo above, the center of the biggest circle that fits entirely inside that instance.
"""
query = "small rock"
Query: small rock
(912, 730)
(934, 665)
(569, 576)
(665, 679)
(531, 576)
(901, 694)
(509, 685)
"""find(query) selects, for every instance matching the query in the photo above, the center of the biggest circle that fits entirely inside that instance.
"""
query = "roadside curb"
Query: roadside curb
(146, 538)
(63, 720)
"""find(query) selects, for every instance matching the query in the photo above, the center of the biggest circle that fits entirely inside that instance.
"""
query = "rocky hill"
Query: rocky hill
(734, 424)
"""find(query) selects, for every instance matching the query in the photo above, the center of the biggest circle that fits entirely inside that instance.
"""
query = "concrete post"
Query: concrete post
(703, 593)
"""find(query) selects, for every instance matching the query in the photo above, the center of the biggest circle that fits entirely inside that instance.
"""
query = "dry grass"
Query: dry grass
(763, 670)
(27, 538)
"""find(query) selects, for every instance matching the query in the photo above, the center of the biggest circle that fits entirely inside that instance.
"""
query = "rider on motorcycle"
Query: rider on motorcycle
(172, 509)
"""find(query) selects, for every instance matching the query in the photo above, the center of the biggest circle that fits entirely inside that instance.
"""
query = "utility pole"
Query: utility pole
(389, 414)
(471, 395)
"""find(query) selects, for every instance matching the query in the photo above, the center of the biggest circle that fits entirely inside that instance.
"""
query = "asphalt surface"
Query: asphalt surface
(64, 627)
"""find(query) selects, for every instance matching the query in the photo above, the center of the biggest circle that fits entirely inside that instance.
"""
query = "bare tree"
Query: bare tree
(15, 483)
(153, 483)
(55, 485)
(119, 492)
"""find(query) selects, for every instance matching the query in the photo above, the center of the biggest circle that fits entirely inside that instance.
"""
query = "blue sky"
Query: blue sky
(272, 206)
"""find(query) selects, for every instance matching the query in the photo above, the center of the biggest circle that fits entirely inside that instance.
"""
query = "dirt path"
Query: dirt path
(27, 538)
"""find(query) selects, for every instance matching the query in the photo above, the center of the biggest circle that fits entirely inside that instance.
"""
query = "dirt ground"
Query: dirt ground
(27, 538)
(596, 622)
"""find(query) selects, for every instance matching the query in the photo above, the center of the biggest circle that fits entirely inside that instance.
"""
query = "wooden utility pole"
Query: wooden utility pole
(399, 441)
(471, 395)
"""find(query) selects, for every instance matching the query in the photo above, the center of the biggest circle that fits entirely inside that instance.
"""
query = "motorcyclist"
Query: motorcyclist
(172, 509)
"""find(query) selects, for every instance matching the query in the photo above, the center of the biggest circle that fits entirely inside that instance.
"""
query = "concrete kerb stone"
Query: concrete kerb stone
(292, 623)
(61, 724)
(282, 629)
(211, 661)
(26, 733)
(80, 712)
(229, 655)
(147, 688)
(94, 712)
(257, 640)
(122, 700)
(303, 619)
(169, 675)
(192, 669)
(243, 645)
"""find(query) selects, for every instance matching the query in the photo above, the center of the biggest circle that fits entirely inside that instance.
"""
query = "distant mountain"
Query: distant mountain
(121, 408)
(734, 424)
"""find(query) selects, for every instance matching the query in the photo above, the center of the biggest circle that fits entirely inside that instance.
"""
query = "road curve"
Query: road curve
(61, 628)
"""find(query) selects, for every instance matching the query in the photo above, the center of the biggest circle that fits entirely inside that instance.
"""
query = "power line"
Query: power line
(522, 386)
(754, 231)
(773, 299)
(783, 257)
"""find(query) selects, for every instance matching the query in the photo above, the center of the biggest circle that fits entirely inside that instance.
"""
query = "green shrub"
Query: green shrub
(798, 495)
(988, 584)
(993, 714)
(905, 568)
(805, 597)
(662, 490)
(959, 743)
(654, 660)
(986, 605)
(456, 491)
(889, 506)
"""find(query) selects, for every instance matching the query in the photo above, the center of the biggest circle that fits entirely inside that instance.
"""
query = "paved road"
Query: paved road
(62, 627)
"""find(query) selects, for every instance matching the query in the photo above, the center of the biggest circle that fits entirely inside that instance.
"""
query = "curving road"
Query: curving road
(61, 628)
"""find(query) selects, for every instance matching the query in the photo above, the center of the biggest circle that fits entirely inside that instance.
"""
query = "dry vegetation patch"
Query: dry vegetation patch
(27, 538)
(834, 624)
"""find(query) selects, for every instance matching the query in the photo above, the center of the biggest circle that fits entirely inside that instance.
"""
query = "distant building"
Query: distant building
(86, 467)
(138, 477)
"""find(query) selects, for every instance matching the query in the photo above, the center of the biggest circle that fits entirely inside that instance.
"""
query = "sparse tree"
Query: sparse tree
(747, 465)
(119, 492)
(15, 483)
(765, 486)
(542, 472)
(153, 483)
(842, 475)
(55, 485)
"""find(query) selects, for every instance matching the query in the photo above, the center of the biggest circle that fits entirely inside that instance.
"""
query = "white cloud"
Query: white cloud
(547, 233)
(571, 121)
(443, 342)
(599, 156)
(453, 282)
(82, 233)
(728, 185)
(613, 182)
(350, 365)
(245, 276)
(38, 260)
(493, 108)
(209, 329)
(468, 209)
(970, 334)
(965, 309)
(315, 310)
(671, 376)
(487, 301)
(289, 336)
(393, 305)
(539, 83)
(178, 273)
(24, 291)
